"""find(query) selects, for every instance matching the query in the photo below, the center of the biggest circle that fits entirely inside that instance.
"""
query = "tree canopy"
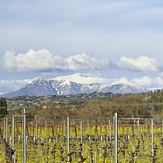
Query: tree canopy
(3, 107)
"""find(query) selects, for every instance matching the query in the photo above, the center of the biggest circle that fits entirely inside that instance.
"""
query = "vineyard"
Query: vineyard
(100, 140)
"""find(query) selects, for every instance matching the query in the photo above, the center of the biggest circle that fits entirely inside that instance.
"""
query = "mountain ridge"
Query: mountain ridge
(42, 87)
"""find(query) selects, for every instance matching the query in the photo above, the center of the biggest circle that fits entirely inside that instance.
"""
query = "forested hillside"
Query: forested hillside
(89, 106)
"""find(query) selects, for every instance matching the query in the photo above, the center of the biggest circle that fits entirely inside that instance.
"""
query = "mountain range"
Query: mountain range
(42, 87)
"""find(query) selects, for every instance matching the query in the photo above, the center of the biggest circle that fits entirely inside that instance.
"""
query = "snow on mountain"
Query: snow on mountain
(122, 88)
(37, 80)
(41, 87)
(37, 87)
(89, 88)
(65, 87)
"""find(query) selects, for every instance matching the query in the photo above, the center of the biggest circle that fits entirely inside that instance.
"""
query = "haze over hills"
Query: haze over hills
(42, 87)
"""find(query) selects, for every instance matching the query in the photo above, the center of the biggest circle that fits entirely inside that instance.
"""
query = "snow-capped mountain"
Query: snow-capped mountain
(122, 88)
(37, 87)
(65, 87)
(41, 87)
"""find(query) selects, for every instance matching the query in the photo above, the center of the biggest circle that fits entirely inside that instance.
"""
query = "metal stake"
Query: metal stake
(115, 139)
(24, 137)
(68, 138)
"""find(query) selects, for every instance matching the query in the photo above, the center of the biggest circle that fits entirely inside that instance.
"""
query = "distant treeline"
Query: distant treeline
(93, 105)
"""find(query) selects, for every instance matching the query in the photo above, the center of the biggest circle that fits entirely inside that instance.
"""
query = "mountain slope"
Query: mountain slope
(122, 88)
(42, 87)
(65, 87)
(37, 87)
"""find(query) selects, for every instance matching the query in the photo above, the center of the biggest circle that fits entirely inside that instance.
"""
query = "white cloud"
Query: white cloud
(158, 81)
(149, 82)
(43, 60)
(141, 63)
(121, 80)
(143, 81)
(84, 60)
(32, 60)
(84, 78)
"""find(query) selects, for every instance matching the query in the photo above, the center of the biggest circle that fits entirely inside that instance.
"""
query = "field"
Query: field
(77, 141)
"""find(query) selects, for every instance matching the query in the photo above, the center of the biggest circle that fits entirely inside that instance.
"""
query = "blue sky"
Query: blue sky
(94, 40)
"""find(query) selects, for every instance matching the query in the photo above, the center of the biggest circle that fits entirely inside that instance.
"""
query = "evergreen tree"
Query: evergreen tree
(3, 107)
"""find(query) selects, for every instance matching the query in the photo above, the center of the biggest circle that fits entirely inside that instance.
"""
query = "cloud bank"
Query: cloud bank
(141, 63)
(84, 78)
(43, 60)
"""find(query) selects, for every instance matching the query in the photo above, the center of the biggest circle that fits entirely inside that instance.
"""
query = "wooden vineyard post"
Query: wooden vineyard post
(88, 126)
(46, 141)
(81, 132)
(95, 157)
(64, 129)
(6, 129)
(138, 128)
(36, 137)
(110, 130)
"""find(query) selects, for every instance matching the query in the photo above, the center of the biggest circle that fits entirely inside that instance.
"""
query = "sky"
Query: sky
(81, 40)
